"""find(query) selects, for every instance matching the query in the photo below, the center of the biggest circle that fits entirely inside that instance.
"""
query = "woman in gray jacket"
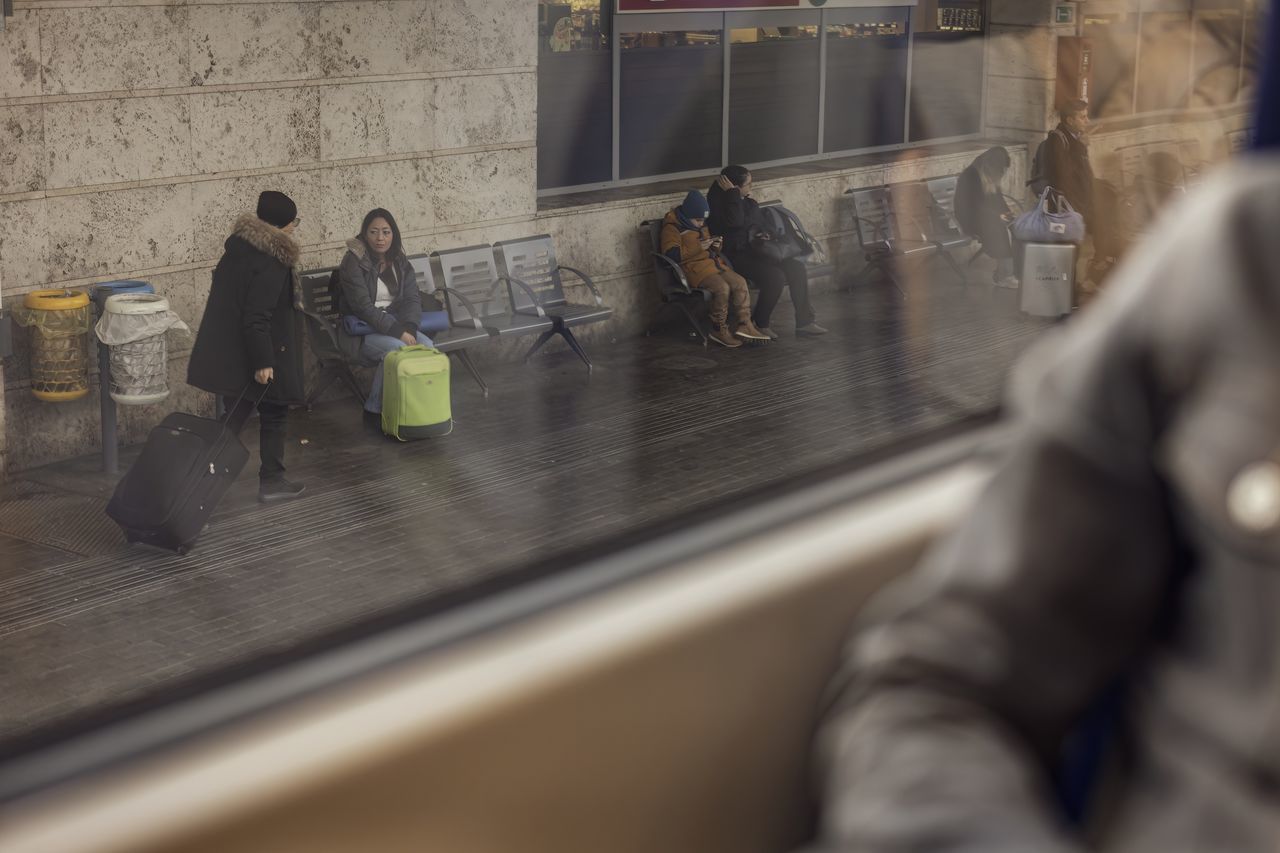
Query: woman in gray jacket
(380, 290)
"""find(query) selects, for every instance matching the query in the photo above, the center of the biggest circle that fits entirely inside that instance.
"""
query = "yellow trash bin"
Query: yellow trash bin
(59, 323)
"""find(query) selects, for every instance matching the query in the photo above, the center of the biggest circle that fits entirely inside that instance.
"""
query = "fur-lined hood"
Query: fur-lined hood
(267, 238)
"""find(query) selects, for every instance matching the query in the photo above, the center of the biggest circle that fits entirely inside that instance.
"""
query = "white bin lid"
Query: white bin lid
(136, 303)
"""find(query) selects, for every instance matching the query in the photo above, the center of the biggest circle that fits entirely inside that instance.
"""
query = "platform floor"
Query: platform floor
(555, 459)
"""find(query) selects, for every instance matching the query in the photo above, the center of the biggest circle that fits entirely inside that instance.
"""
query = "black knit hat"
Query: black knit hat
(276, 208)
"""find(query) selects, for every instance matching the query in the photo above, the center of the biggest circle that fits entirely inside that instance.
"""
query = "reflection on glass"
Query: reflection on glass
(573, 25)
(1216, 45)
(1115, 43)
(1164, 63)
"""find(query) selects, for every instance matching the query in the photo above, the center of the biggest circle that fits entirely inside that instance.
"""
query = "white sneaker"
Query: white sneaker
(1011, 282)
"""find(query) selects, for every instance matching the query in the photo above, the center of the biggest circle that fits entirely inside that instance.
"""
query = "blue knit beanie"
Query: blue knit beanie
(695, 206)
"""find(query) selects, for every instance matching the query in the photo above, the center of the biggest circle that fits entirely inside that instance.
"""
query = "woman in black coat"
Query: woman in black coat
(981, 210)
(250, 336)
(736, 217)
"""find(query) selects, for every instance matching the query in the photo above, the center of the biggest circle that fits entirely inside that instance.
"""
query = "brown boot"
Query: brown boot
(748, 330)
(721, 335)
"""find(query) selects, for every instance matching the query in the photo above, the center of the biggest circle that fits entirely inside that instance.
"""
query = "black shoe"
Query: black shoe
(810, 330)
(272, 491)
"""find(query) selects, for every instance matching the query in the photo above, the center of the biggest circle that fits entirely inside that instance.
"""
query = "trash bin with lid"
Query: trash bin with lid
(133, 326)
(59, 323)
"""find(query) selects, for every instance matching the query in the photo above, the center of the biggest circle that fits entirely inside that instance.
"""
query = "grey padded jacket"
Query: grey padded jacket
(1133, 529)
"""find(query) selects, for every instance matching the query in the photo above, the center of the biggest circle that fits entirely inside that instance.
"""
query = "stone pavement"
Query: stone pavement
(553, 461)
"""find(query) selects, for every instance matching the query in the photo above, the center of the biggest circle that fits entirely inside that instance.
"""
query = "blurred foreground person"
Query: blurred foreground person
(1131, 536)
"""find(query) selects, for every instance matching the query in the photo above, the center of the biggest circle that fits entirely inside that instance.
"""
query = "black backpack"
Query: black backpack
(1039, 180)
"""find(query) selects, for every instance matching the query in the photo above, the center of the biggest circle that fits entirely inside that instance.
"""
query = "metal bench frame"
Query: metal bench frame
(531, 262)
(673, 285)
(319, 299)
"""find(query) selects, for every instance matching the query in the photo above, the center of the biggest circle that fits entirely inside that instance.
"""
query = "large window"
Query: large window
(774, 73)
(671, 102)
(946, 85)
(866, 93)
(575, 93)
(630, 97)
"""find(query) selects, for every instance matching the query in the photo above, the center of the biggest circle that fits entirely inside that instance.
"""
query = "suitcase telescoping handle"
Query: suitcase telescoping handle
(225, 434)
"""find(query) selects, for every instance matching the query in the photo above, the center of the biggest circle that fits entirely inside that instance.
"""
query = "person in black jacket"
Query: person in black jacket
(379, 288)
(736, 217)
(981, 210)
(249, 335)
(1066, 163)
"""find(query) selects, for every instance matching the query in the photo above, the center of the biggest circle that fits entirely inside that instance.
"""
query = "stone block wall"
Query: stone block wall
(132, 133)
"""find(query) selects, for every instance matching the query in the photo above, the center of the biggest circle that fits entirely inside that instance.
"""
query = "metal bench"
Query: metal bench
(320, 310)
(921, 219)
(673, 286)
(531, 261)
(881, 240)
(464, 330)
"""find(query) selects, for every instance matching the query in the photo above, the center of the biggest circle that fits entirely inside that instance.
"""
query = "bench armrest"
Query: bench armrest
(466, 303)
(675, 269)
(595, 291)
(533, 297)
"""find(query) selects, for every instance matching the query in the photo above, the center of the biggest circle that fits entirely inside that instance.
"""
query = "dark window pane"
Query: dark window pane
(1115, 41)
(1164, 65)
(671, 102)
(575, 95)
(866, 87)
(1216, 49)
(773, 93)
(946, 85)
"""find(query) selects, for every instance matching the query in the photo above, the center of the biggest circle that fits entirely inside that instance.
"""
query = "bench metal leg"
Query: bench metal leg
(572, 341)
(955, 267)
(323, 381)
(465, 361)
(349, 379)
(542, 339)
(693, 321)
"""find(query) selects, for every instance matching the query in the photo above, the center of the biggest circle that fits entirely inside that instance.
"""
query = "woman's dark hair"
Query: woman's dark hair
(396, 249)
(737, 174)
(993, 162)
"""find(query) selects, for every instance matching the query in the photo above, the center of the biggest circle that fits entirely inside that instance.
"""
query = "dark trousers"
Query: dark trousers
(770, 277)
(271, 425)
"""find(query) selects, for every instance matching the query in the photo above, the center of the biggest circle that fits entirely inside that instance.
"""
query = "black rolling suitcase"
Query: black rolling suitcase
(166, 497)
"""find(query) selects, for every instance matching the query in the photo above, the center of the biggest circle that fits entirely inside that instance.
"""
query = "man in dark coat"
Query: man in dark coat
(1066, 163)
(249, 337)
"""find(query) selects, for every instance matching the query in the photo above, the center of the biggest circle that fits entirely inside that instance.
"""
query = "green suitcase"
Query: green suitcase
(415, 393)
